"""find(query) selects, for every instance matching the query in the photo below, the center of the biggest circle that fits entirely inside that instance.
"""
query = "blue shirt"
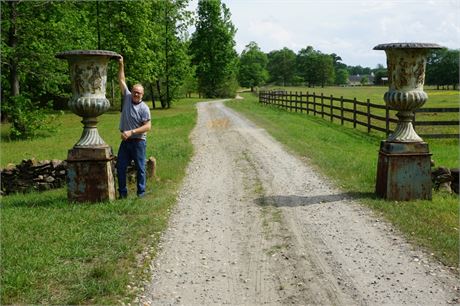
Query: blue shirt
(133, 115)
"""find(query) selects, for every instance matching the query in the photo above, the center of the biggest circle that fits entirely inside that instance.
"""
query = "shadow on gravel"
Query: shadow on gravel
(293, 200)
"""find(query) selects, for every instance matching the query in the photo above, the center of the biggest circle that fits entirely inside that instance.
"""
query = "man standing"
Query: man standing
(134, 124)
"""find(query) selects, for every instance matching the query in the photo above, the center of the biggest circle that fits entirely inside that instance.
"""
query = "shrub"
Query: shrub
(27, 119)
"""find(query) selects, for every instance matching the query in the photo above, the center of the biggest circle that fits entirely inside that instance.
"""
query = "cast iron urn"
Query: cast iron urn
(404, 165)
(88, 73)
(89, 172)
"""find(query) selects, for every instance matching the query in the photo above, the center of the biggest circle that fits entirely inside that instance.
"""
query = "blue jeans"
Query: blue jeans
(128, 151)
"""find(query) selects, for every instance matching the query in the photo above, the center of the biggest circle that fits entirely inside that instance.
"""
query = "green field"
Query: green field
(349, 157)
(437, 99)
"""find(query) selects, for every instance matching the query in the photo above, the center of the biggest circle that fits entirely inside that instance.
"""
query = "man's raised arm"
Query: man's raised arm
(121, 75)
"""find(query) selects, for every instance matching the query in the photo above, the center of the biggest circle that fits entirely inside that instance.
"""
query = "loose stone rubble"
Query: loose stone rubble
(32, 175)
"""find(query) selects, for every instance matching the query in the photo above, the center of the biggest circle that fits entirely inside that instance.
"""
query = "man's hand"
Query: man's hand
(126, 134)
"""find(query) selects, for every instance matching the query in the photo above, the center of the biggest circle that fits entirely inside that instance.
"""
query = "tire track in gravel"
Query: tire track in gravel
(256, 225)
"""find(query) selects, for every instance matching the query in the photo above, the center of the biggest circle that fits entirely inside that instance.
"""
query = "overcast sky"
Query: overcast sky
(349, 28)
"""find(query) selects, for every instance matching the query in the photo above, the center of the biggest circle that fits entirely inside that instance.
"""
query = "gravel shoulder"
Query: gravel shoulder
(256, 225)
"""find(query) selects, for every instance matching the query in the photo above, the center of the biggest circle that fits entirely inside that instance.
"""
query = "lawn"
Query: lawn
(349, 157)
(436, 99)
(54, 252)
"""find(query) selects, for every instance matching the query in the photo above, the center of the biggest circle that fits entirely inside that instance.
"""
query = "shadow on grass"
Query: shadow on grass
(294, 200)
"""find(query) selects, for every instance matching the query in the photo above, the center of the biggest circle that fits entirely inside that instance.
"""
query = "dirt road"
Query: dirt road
(256, 225)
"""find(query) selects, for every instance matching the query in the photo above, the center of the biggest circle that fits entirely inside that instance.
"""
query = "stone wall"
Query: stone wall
(32, 175)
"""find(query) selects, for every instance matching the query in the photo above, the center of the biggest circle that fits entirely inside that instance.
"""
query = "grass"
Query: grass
(436, 98)
(349, 157)
(53, 252)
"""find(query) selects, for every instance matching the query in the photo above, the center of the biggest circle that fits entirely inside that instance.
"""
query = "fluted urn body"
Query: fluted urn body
(88, 72)
(406, 64)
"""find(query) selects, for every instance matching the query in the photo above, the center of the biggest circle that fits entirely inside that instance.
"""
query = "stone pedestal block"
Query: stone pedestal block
(404, 171)
(89, 175)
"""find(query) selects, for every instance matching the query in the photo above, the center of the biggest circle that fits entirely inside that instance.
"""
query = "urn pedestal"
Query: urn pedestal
(89, 175)
(404, 163)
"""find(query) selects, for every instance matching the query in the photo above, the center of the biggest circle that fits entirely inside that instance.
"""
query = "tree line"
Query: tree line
(153, 37)
(313, 68)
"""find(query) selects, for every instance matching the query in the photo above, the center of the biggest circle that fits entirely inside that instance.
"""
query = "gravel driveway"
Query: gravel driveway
(255, 224)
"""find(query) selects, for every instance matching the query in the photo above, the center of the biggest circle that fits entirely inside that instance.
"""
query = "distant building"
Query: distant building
(356, 80)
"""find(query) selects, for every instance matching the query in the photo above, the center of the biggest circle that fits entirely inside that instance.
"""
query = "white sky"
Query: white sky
(349, 28)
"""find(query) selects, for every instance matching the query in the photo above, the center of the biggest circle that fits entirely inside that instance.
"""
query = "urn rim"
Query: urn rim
(77, 53)
(408, 45)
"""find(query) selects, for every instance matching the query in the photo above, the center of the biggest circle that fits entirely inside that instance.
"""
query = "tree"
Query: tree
(174, 61)
(379, 72)
(359, 70)
(315, 67)
(282, 66)
(212, 50)
(442, 68)
(364, 80)
(32, 33)
(341, 76)
(324, 69)
(252, 66)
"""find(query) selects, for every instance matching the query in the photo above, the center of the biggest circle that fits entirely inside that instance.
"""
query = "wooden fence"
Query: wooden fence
(369, 115)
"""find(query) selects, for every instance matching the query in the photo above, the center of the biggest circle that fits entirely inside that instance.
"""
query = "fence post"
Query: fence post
(314, 104)
(283, 98)
(354, 113)
(307, 102)
(295, 101)
(322, 106)
(290, 101)
(387, 120)
(341, 110)
(368, 116)
(332, 109)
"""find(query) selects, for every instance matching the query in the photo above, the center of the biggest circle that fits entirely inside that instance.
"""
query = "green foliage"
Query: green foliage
(355, 70)
(252, 66)
(149, 34)
(32, 33)
(379, 73)
(341, 77)
(212, 49)
(27, 120)
(442, 67)
(364, 80)
(282, 66)
(315, 67)
(174, 61)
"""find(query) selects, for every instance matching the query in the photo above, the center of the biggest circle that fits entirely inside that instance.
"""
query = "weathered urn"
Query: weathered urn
(89, 172)
(404, 165)
(406, 64)
(88, 73)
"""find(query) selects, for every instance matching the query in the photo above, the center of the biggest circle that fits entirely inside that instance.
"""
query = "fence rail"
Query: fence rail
(369, 115)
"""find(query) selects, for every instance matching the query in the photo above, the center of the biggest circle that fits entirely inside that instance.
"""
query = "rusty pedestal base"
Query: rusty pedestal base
(89, 175)
(404, 171)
